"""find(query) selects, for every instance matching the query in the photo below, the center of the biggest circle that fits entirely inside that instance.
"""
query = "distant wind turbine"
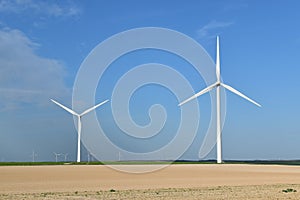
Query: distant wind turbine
(56, 156)
(79, 121)
(88, 156)
(217, 86)
(33, 155)
(66, 156)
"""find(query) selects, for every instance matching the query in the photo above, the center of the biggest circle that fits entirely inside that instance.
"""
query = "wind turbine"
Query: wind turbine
(56, 155)
(33, 155)
(88, 156)
(217, 85)
(66, 155)
(79, 120)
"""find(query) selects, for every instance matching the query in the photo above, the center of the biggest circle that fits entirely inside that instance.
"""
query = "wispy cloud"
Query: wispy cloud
(212, 28)
(26, 77)
(39, 7)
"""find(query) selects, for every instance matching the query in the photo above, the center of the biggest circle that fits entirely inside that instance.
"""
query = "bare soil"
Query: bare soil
(190, 181)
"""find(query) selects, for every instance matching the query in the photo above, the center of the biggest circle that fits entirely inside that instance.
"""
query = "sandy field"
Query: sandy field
(182, 181)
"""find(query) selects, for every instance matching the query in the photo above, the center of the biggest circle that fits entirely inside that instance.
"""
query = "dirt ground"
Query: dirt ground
(190, 181)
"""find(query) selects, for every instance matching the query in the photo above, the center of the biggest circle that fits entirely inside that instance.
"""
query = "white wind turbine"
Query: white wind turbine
(66, 156)
(33, 155)
(56, 156)
(217, 86)
(79, 121)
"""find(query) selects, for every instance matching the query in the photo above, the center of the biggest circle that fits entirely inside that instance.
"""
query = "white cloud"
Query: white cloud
(39, 7)
(209, 29)
(26, 77)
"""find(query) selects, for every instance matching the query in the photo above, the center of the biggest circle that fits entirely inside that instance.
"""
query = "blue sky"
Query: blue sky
(43, 44)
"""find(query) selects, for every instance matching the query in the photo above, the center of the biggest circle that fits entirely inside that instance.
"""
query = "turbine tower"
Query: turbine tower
(217, 85)
(79, 121)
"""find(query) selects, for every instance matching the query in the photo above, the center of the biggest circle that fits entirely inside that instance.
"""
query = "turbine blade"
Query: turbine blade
(94, 107)
(218, 60)
(64, 107)
(240, 94)
(199, 93)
